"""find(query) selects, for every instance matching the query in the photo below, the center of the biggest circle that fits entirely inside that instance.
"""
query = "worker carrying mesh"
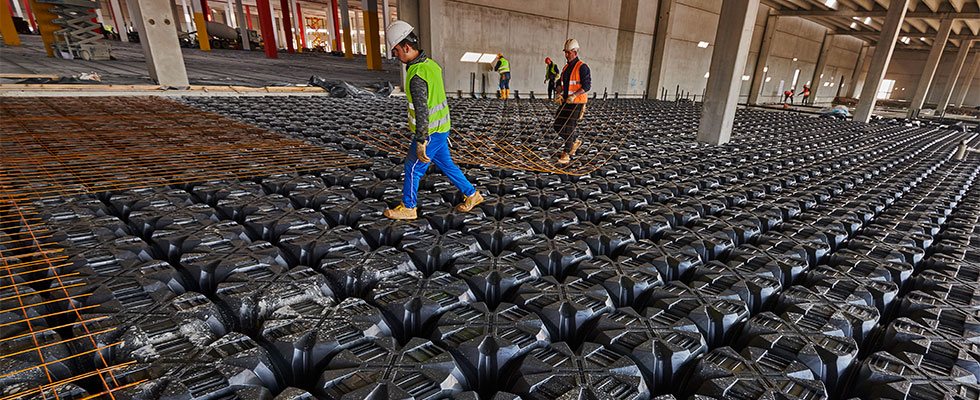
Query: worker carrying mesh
(428, 119)
(573, 87)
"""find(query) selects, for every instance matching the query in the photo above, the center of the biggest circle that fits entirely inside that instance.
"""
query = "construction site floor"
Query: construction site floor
(216, 67)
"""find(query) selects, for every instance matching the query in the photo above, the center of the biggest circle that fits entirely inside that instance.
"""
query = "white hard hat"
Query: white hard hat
(571, 44)
(396, 32)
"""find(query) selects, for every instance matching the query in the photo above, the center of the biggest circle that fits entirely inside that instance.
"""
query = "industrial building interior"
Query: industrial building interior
(722, 199)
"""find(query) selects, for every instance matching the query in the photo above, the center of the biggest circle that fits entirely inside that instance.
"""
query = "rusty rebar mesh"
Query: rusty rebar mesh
(60, 147)
(521, 136)
(63, 146)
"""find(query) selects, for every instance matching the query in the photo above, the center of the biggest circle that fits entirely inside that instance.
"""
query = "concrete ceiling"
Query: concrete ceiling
(863, 18)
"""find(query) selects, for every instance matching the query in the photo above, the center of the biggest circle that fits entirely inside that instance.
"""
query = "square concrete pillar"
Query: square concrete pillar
(952, 81)
(372, 35)
(761, 64)
(659, 59)
(158, 37)
(964, 88)
(929, 71)
(882, 57)
(731, 49)
(345, 23)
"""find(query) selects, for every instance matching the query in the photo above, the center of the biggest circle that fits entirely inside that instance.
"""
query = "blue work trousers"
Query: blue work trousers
(438, 151)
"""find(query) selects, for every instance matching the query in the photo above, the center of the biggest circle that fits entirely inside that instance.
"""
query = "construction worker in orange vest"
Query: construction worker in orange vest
(572, 94)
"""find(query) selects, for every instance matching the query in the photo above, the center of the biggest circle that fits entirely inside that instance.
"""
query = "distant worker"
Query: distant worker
(571, 95)
(428, 120)
(788, 95)
(550, 76)
(503, 68)
(806, 96)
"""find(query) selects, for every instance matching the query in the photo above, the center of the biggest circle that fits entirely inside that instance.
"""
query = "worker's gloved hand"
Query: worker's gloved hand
(420, 152)
(559, 99)
(571, 98)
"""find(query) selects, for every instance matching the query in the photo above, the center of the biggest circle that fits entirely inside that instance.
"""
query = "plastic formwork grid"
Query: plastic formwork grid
(63, 150)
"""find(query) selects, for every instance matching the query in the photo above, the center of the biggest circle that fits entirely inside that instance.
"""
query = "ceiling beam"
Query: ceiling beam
(876, 34)
(876, 14)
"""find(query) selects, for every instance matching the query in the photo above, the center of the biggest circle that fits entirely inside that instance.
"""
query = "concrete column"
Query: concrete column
(117, 20)
(964, 88)
(188, 15)
(267, 27)
(28, 9)
(386, 14)
(20, 14)
(955, 73)
(200, 22)
(929, 71)
(828, 43)
(345, 23)
(287, 25)
(176, 14)
(659, 60)
(762, 63)
(883, 56)
(164, 60)
(242, 28)
(852, 82)
(229, 18)
(331, 27)
(732, 41)
(272, 18)
(298, 26)
(7, 29)
(623, 61)
(372, 38)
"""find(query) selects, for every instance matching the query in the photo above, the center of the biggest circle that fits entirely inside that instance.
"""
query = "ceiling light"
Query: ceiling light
(703, 44)
(922, 39)
(830, 3)
(854, 25)
(867, 20)
(470, 57)
(706, 74)
(746, 77)
(768, 78)
(795, 59)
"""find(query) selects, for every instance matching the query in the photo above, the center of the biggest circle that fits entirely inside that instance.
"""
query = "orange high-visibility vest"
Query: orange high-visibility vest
(574, 83)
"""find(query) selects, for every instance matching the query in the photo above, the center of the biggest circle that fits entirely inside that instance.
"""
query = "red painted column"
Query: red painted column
(287, 25)
(336, 28)
(30, 15)
(268, 30)
(206, 9)
(248, 16)
(302, 26)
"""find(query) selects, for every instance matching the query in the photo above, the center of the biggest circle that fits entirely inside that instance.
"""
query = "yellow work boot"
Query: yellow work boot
(401, 212)
(469, 202)
(564, 159)
(575, 145)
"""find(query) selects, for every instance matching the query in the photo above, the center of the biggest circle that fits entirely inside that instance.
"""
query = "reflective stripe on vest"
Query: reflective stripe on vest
(575, 83)
(431, 73)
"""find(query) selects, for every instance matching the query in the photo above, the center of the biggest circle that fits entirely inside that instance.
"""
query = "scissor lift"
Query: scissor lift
(79, 37)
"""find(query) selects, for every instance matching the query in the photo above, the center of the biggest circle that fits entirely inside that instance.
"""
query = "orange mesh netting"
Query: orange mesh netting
(519, 134)
(60, 147)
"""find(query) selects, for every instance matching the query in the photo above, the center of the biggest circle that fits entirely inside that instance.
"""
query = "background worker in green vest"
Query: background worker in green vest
(503, 67)
(549, 76)
(428, 119)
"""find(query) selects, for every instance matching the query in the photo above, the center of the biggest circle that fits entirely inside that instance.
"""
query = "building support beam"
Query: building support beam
(825, 47)
(953, 75)
(287, 25)
(16, 10)
(201, 23)
(45, 26)
(243, 28)
(852, 82)
(7, 28)
(176, 14)
(372, 36)
(960, 95)
(623, 61)
(732, 42)
(762, 63)
(300, 27)
(929, 71)
(345, 23)
(882, 57)
(658, 59)
(267, 28)
(386, 14)
(164, 60)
